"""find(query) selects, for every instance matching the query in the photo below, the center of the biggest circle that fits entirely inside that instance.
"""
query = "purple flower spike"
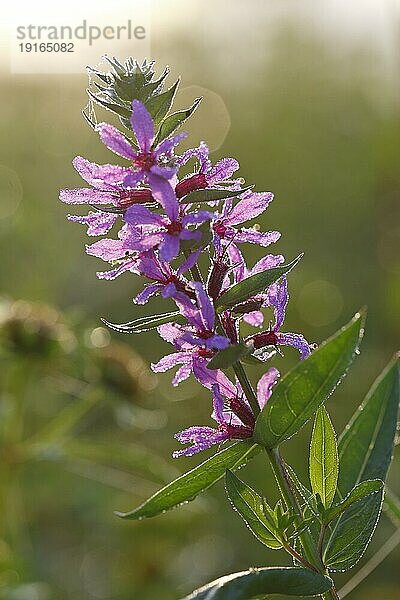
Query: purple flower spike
(278, 298)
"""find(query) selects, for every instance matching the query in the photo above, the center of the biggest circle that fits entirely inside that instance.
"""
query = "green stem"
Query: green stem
(246, 387)
(331, 595)
(299, 558)
(284, 484)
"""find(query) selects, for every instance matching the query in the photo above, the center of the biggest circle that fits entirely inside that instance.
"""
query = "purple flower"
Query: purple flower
(277, 297)
(233, 415)
(148, 164)
(166, 231)
(107, 188)
(122, 253)
(207, 175)
(250, 205)
(162, 274)
(196, 342)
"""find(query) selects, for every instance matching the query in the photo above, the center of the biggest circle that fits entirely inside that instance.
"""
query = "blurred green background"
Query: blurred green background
(308, 103)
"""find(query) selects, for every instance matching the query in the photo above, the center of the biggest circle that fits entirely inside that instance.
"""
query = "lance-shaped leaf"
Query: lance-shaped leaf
(365, 452)
(250, 505)
(188, 486)
(324, 462)
(145, 323)
(255, 583)
(229, 356)
(171, 123)
(121, 111)
(299, 395)
(210, 195)
(360, 491)
(253, 285)
(159, 105)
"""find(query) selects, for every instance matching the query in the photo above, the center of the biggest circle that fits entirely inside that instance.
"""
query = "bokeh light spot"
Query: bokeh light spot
(212, 121)
(99, 337)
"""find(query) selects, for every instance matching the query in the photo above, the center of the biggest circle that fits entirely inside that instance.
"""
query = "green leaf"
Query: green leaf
(392, 507)
(158, 106)
(188, 486)
(250, 507)
(171, 123)
(210, 195)
(304, 493)
(229, 356)
(248, 585)
(122, 111)
(360, 491)
(253, 285)
(324, 462)
(365, 452)
(145, 323)
(299, 395)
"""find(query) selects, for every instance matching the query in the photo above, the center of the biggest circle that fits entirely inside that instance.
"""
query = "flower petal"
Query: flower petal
(278, 297)
(87, 196)
(198, 217)
(105, 177)
(297, 341)
(218, 342)
(201, 153)
(218, 404)
(127, 265)
(267, 262)
(138, 214)
(182, 373)
(189, 262)
(99, 223)
(254, 318)
(146, 294)
(164, 172)
(164, 194)
(115, 141)
(170, 332)
(169, 144)
(205, 437)
(251, 205)
(133, 178)
(107, 249)
(208, 378)
(142, 125)
(207, 311)
(171, 360)
(265, 385)
(255, 237)
(222, 170)
(168, 248)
